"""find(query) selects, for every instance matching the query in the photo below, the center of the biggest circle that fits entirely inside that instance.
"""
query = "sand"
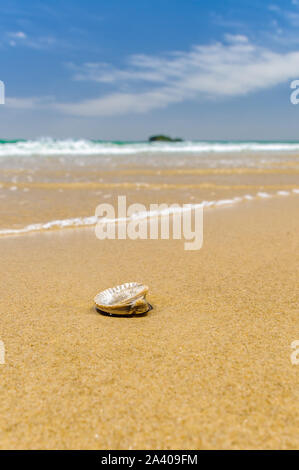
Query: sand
(208, 368)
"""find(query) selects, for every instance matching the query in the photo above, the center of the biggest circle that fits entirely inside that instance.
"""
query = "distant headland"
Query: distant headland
(163, 138)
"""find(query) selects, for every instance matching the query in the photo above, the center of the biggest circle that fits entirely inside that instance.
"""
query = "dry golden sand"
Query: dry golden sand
(208, 368)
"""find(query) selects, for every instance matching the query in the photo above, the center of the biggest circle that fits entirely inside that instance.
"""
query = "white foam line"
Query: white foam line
(93, 220)
(224, 202)
(76, 222)
(67, 147)
(283, 193)
(264, 195)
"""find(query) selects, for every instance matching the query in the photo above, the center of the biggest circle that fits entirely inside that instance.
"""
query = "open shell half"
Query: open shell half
(126, 299)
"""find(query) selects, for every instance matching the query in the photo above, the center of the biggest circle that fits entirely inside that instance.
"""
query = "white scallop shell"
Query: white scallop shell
(126, 299)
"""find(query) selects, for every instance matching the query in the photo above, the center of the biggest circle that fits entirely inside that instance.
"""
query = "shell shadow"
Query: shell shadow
(105, 314)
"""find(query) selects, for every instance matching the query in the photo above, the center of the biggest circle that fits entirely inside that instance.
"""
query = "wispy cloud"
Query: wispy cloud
(15, 37)
(22, 39)
(221, 70)
(22, 103)
(289, 15)
(18, 35)
(232, 68)
(28, 103)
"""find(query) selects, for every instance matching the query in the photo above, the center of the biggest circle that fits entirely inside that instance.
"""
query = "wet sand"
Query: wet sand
(52, 190)
(208, 368)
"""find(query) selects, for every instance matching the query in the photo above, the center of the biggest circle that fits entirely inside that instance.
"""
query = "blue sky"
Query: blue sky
(116, 69)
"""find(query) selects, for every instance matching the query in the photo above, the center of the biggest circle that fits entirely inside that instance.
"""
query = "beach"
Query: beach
(149, 248)
(208, 368)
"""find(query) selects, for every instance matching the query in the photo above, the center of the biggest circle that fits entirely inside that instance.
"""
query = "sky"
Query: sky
(124, 70)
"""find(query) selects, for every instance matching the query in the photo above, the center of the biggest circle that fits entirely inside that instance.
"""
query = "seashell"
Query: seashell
(126, 299)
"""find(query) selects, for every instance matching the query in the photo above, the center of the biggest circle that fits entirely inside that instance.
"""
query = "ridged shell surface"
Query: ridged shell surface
(126, 299)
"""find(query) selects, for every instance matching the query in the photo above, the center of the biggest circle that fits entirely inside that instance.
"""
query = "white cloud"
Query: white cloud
(15, 38)
(21, 103)
(274, 8)
(290, 15)
(18, 35)
(122, 103)
(236, 38)
(19, 38)
(28, 103)
(216, 71)
(234, 68)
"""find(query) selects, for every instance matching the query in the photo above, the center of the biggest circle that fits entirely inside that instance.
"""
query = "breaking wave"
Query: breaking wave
(51, 147)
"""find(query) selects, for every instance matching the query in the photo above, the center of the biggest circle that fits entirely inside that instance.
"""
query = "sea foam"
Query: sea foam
(52, 147)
